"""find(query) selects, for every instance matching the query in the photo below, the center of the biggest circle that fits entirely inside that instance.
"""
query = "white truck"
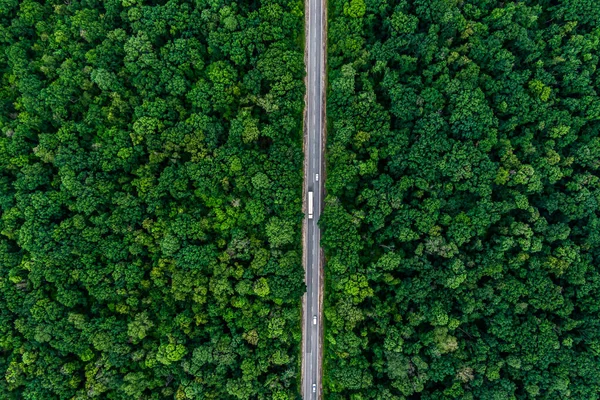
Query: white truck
(310, 205)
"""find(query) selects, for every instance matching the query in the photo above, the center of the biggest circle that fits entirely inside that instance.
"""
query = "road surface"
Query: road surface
(312, 344)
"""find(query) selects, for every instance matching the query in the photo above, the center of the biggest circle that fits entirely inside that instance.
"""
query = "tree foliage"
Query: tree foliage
(150, 186)
(461, 222)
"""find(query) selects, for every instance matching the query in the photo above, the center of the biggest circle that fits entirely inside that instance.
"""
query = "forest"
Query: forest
(461, 224)
(151, 199)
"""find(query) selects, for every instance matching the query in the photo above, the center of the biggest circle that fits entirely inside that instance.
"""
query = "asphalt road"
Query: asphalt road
(312, 343)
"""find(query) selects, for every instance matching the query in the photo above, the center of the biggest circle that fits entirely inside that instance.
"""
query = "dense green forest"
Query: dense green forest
(150, 199)
(461, 225)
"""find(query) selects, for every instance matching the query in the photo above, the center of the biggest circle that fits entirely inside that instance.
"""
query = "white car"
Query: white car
(314, 319)
(314, 387)
(317, 178)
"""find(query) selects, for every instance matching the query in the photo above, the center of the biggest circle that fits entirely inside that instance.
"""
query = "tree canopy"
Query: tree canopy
(150, 199)
(462, 210)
